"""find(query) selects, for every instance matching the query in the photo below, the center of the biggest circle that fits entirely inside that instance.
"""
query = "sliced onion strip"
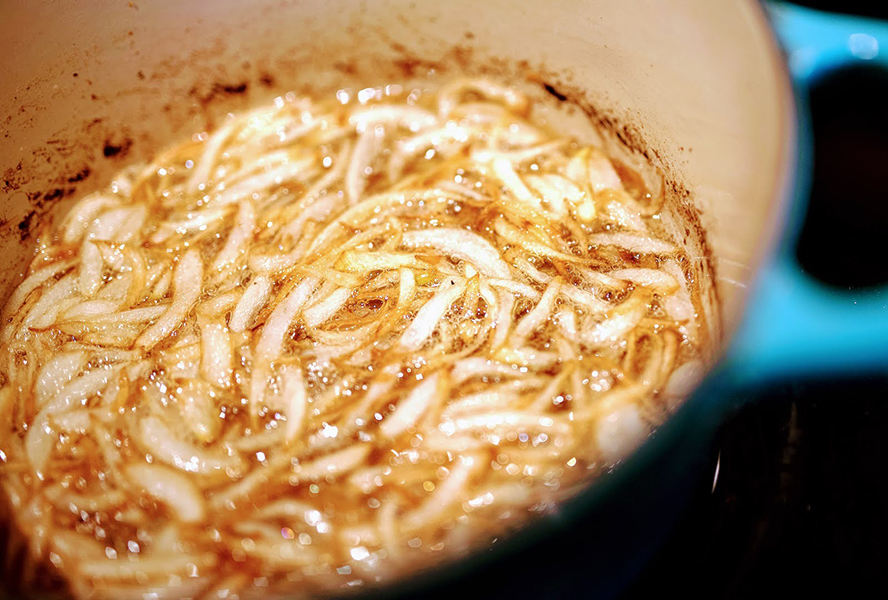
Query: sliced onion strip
(426, 320)
(460, 245)
(187, 282)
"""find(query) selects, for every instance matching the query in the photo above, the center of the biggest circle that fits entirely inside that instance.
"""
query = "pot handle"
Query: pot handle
(796, 326)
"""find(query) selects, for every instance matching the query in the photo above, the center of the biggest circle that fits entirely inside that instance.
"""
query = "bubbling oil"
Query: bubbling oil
(334, 341)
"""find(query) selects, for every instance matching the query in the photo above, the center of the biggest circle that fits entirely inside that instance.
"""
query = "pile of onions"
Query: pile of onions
(332, 341)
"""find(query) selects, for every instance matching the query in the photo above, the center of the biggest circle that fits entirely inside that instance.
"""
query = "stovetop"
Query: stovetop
(800, 504)
(799, 507)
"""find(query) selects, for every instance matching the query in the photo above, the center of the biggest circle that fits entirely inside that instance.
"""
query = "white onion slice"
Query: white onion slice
(187, 283)
(286, 508)
(132, 225)
(44, 312)
(567, 323)
(411, 409)
(515, 236)
(626, 213)
(602, 174)
(515, 287)
(56, 373)
(323, 311)
(353, 261)
(159, 440)
(409, 117)
(406, 288)
(204, 167)
(315, 211)
(584, 299)
(40, 438)
(476, 366)
(590, 167)
(109, 223)
(292, 131)
(298, 170)
(336, 463)
(317, 203)
(146, 566)
(296, 398)
(193, 222)
(89, 309)
(655, 279)
(133, 315)
(426, 320)
(219, 304)
(169, 487)
(449, 96)
(237, 238)
(217, 353)
(252, 301)
(444, 140)
(619, 432)
(271, 340)
(558, 193)
(84, 214)
(91, 264)
(359, 165)
(39, 441)
(505, 172)
(196, 400)
(602, 282)
(503, 320)
(31, 283)
(359, 213)
(505, 420)
(679, 305)
(446, 493)
(460, 244)
(685, 378)
(527, 357)
(521, 155)
(81, 389)
(617, 323)
(482, 401)
(533, 320)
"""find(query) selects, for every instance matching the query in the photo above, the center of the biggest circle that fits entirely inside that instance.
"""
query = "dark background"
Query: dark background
(800, 507)
(867, 8)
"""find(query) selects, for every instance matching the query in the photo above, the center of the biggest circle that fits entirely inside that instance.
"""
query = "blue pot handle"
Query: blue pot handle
(796, 326)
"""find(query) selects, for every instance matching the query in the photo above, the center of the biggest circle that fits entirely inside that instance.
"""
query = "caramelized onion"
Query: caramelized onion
(332, 340)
